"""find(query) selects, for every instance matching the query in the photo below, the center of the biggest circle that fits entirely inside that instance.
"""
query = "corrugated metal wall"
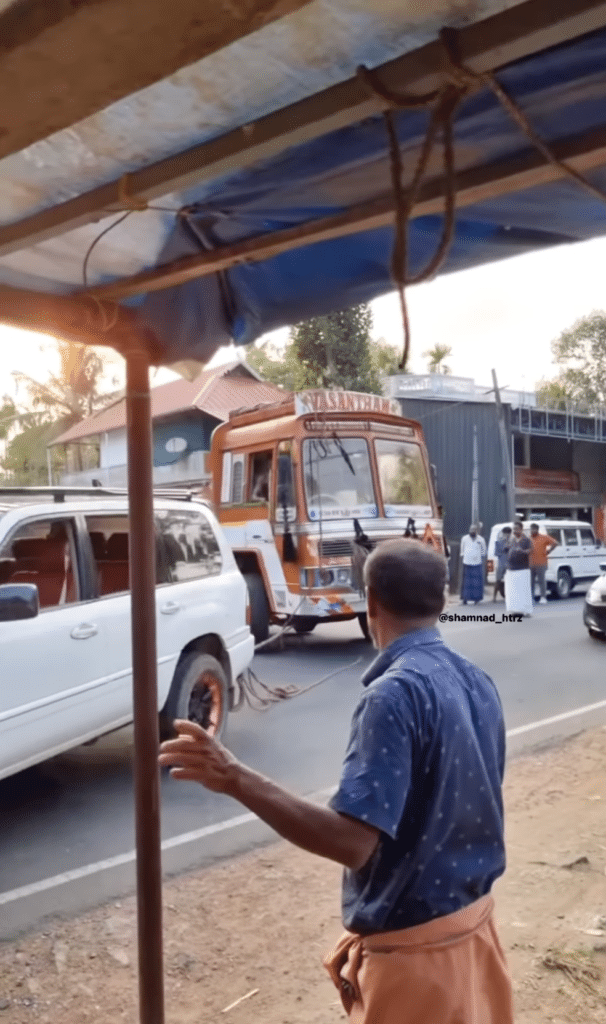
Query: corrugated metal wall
(448, 429)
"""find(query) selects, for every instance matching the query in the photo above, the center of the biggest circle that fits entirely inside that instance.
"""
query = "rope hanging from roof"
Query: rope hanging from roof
(442, 104)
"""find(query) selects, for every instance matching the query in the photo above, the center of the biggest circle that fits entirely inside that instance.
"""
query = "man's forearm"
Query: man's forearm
(314, 828)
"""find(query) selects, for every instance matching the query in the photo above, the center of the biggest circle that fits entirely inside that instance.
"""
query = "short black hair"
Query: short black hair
(507, 529)
(407, 578)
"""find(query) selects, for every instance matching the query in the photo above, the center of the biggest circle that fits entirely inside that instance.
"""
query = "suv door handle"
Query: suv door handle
(170, 607)
(84, 630)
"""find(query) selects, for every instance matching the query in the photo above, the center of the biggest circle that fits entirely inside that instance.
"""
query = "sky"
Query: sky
(503, 315)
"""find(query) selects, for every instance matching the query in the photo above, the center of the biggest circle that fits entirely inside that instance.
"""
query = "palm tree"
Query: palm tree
(75, 392)
(436, 357)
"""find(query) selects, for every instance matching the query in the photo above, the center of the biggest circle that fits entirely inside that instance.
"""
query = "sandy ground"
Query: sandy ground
(259, 924)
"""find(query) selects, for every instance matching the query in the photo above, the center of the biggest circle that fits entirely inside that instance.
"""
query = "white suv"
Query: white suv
(65, 628)
(576, 559)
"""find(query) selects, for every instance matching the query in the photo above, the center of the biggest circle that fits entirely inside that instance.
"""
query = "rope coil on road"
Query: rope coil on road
(261, 697)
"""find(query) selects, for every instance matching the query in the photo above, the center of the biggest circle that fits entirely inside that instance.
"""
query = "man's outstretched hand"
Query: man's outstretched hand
(195, 756)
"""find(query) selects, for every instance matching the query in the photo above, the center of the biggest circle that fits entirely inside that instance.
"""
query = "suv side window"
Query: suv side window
(587, 537)
(109, 537)
(570, 537)
(43, 552)
(189, 545)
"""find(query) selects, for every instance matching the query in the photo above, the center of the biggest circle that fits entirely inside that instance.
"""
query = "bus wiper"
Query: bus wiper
(342, 451)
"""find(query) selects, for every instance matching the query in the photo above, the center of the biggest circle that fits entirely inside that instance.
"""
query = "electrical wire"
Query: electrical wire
(95, 241)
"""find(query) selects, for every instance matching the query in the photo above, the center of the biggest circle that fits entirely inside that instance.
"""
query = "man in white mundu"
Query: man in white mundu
(518, 593)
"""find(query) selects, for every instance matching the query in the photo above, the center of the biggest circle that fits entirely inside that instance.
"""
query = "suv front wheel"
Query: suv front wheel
(563, 583)
(199, 693)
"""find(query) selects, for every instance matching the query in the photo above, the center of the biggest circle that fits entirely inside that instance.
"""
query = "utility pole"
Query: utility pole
(505, 452)
(475, 499)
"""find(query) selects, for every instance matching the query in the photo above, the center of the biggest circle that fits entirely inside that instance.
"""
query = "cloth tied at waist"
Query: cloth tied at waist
(449, 970)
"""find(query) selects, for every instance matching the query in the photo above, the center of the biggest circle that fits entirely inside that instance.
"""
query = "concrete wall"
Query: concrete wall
(113, 448)
(589, 461)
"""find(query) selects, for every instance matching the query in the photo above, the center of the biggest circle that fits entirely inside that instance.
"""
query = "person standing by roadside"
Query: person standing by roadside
(417, 820)
(501, 550)
(473, 553)
(518, 595)
(542, 544)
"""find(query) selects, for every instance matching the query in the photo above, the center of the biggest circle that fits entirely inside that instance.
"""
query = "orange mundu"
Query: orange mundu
(450, 970)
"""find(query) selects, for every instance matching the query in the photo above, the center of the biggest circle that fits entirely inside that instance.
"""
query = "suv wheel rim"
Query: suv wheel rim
(206, 703)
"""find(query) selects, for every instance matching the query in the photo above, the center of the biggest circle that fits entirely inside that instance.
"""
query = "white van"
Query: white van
(576, 559)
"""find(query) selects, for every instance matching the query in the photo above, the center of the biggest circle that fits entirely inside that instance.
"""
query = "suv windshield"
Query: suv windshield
(403, 479)
(338, 479)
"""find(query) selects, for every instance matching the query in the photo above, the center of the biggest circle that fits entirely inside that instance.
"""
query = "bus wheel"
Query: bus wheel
(363, 620)
(304, 623)
(259, 607)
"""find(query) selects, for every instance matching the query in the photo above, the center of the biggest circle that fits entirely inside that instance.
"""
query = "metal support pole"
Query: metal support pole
(505, 454)
(145, 698)
(49, 468)
(475, 495)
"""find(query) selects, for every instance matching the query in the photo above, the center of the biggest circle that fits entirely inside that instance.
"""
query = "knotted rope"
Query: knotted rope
(442, 104)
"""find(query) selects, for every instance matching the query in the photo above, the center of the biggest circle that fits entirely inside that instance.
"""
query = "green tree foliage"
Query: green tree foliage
(334, 351)
(385, 358)
(280, 369)
(580, 352)
(76, 391)
(8, 416)
(436, 357)
(553, 393)
(26, 455)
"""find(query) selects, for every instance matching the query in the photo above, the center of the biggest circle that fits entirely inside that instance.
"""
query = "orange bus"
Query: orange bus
(304, 488)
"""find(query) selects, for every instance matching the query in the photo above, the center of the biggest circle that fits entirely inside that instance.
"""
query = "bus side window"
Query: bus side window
(237, 480)
(260, 477)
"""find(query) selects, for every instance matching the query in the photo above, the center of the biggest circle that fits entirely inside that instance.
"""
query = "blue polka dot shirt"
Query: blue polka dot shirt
(424, 765)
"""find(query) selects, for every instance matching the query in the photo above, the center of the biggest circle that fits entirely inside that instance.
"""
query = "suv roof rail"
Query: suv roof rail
(59, 494)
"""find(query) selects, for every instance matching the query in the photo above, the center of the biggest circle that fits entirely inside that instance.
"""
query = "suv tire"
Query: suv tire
(564, 584)
(199, 693)
(259, 607)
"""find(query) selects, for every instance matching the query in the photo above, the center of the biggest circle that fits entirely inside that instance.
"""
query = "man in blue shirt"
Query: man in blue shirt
(417, 821)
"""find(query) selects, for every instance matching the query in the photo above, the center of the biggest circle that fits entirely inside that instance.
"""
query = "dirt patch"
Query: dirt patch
(260, 923)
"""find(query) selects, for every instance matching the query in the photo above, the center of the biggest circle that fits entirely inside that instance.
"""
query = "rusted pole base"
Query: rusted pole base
(145, 699)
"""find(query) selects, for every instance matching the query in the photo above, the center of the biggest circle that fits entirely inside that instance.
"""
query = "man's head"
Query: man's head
(473, 530)
(507, 531)
(405, 584)
(518, 529)
(534, 529)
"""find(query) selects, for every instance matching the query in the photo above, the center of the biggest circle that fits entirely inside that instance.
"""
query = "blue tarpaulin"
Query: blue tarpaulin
(562, 92)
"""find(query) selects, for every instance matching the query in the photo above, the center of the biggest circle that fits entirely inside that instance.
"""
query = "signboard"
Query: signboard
(546, 480)
(345, 401)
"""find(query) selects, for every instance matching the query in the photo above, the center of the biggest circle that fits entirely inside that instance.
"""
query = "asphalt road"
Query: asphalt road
(77, 809)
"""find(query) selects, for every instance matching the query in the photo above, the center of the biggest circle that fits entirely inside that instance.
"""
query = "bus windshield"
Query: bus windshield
(338, 478)
(403, 477)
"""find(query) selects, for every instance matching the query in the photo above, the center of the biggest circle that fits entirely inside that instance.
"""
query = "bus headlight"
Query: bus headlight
(339, 576)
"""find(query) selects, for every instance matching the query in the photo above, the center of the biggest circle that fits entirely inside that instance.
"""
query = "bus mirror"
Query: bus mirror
(434, 478)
